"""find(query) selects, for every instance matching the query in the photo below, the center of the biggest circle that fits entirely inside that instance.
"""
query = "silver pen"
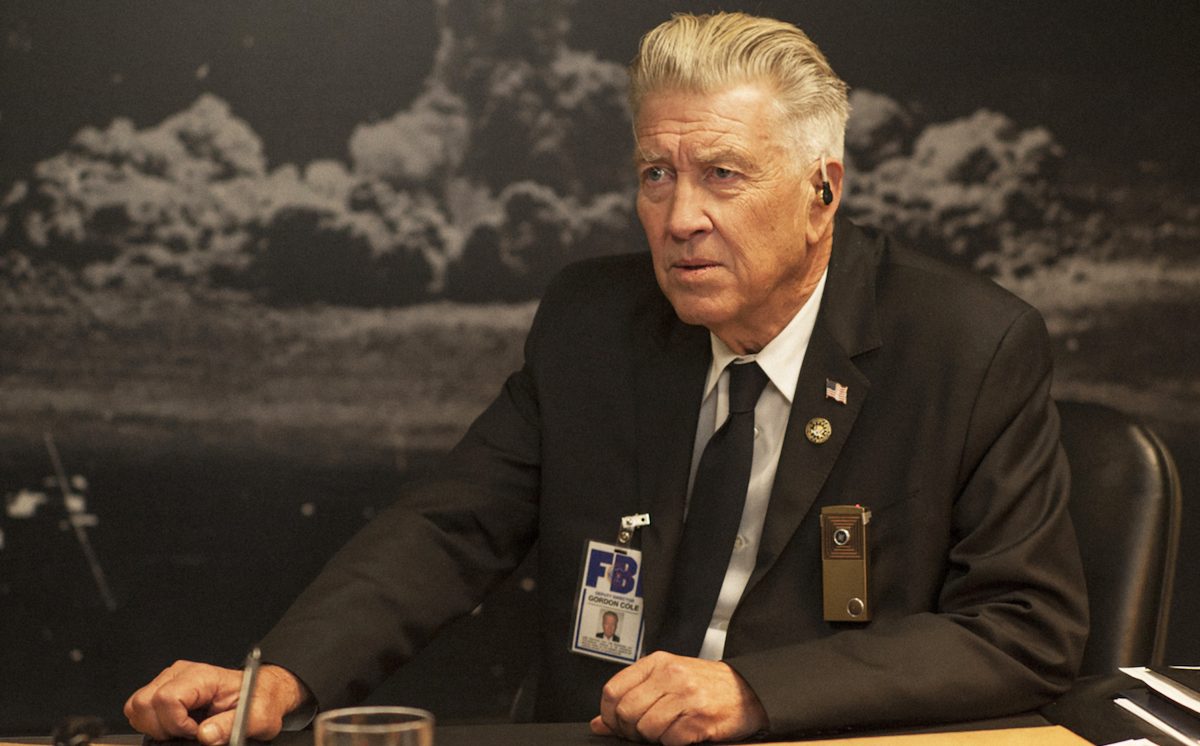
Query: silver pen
(240, 715)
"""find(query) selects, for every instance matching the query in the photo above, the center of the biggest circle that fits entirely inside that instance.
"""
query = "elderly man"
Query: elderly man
(765, 360)
(608, 627)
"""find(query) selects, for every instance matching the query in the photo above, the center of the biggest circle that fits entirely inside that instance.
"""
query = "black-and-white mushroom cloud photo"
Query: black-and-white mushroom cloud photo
(261, 263)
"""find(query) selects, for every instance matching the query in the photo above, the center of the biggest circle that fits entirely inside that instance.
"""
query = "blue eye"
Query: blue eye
(655, 173)
(723, 174)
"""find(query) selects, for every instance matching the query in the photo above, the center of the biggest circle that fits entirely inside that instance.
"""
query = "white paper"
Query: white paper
(1163, 686)
(1137, 709)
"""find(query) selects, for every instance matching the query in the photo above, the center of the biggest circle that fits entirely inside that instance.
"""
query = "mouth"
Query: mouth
(693, 266)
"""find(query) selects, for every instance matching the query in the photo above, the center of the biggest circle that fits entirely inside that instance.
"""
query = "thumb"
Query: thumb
(262, 725)
(215, 730)
(599, 728)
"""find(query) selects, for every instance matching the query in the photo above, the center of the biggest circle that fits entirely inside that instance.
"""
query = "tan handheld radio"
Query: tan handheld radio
(844, 563)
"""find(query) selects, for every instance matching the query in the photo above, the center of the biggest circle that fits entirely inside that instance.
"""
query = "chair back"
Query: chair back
(1125, 503)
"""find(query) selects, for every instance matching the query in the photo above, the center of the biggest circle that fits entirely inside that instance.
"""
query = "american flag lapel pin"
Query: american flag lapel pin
(835, 391)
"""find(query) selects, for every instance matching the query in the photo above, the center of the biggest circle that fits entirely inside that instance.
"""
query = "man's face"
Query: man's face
(610, 625)
(725, 204)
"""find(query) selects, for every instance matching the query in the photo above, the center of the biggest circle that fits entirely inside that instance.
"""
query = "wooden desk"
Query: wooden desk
(1087, 710)
(1029, 730)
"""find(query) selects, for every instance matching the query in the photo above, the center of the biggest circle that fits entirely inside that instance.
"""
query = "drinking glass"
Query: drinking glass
(374, 726)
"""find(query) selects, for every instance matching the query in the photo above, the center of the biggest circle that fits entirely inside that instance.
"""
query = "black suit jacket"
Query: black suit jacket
(949, 435)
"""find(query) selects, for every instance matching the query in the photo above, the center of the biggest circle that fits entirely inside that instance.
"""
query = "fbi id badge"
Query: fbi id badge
(608, 614)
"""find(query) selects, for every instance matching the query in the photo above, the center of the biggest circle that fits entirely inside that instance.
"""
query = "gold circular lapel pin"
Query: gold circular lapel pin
(818, 430)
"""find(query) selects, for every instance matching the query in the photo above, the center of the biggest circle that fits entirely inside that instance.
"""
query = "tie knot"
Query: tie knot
(746, 382)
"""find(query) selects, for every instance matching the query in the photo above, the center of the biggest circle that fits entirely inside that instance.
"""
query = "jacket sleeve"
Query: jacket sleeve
(1008, 630)
(425, 561)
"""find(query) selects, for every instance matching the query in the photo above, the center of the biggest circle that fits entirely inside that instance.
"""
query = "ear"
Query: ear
(820, 215)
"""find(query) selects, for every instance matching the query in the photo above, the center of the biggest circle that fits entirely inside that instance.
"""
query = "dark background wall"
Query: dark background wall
(261, 263)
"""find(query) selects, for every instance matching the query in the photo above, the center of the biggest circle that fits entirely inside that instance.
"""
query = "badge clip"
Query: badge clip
(630, 524)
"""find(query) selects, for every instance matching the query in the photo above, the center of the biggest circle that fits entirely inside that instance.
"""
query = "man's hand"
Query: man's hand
(160, 709)
(678, 700)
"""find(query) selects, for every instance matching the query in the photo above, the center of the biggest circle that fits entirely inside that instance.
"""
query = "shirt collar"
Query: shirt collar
(782, 357)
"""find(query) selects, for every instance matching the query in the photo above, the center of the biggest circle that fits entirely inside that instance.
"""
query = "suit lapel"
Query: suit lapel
(803, 465)
(669, 385)
(846, 327)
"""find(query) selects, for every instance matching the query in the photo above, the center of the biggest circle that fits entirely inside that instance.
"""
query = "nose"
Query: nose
(688, 216)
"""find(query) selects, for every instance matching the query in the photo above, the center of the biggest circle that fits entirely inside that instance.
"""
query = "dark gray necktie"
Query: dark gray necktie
(714, 513)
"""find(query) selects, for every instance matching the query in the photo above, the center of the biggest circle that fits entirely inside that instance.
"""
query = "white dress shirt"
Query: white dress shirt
(780, 359)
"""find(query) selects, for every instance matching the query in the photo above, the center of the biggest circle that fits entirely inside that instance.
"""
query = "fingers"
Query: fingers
(160, 709)
(677, 700)
(656, 720)
(646, 728)
(628, 703)
(618, 690)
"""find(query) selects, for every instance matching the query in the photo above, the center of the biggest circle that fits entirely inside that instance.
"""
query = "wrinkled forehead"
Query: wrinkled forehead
(730, 124)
